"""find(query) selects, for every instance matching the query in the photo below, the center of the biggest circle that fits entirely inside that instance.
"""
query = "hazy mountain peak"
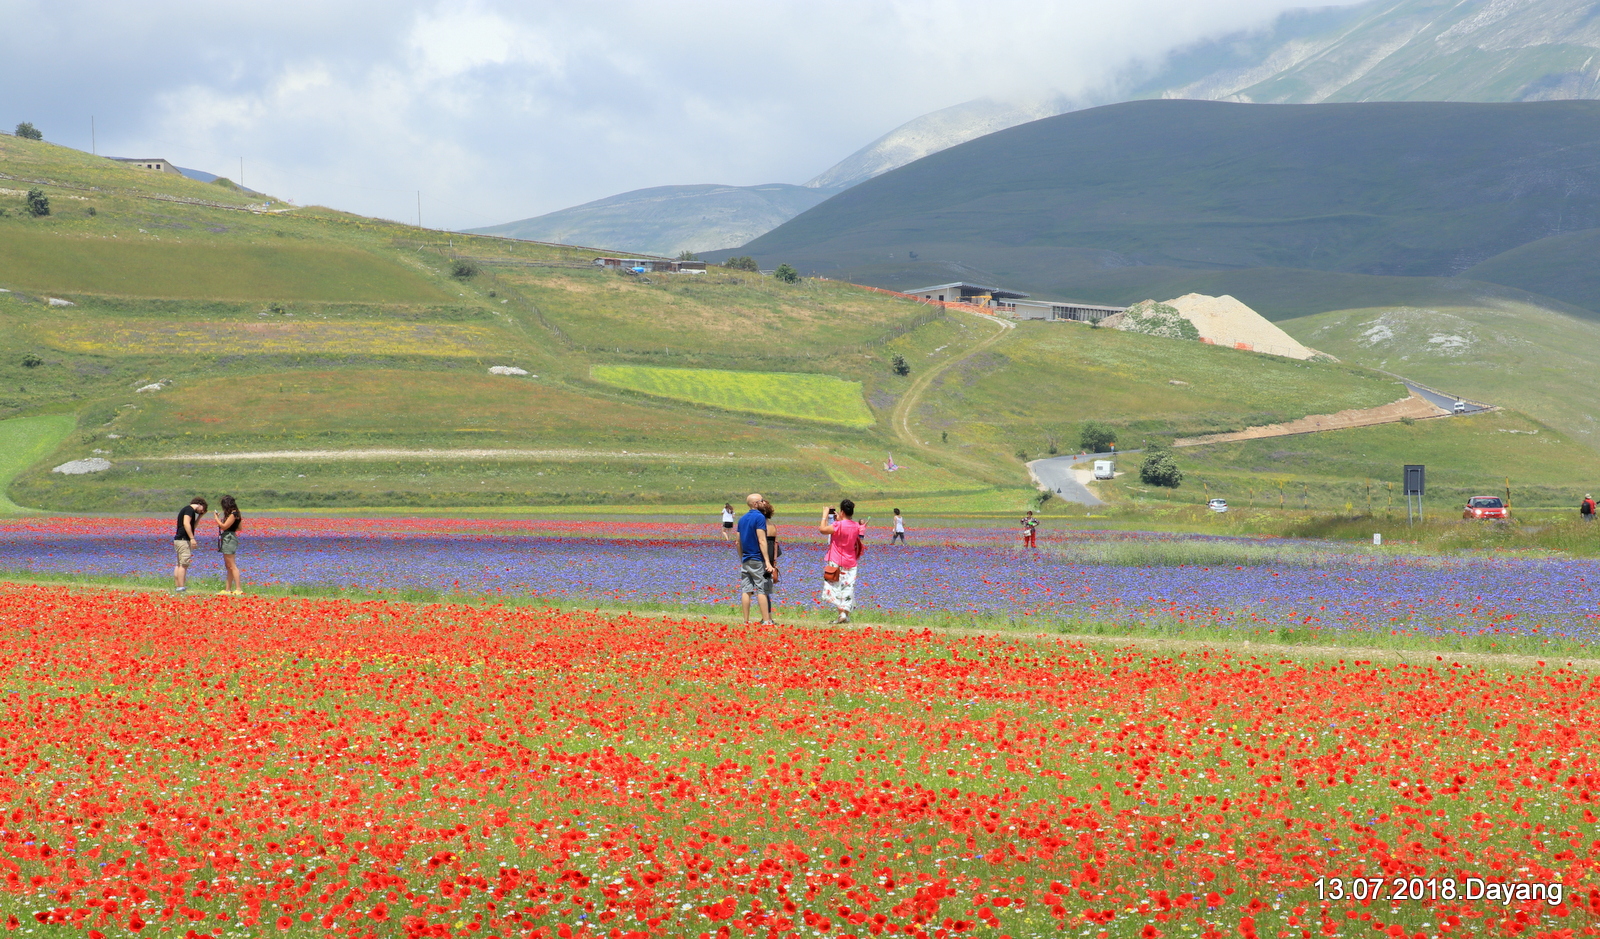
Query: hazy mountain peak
(932, 132)
(1404, 50)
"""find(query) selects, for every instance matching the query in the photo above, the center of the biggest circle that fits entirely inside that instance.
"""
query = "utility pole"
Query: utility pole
(419, 208)
(92, 148)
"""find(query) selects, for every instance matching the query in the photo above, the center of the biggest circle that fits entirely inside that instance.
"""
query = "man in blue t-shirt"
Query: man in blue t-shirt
(755, 567)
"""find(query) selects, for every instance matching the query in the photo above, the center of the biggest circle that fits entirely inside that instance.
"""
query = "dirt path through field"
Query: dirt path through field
(1413, 406)
(900, 418)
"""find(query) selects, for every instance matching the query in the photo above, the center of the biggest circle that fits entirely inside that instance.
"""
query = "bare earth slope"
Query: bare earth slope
(1227, 322)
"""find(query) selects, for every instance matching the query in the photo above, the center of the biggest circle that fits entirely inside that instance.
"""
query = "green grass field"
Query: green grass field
(25, 440)
(719, 317)
(1465, 456)
(310, 408)
(807, 397)
(1045, 379)
(1542, 362)
(106, 336)
(168, 268)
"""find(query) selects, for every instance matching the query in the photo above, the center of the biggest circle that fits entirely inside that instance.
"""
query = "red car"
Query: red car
(1485, 507)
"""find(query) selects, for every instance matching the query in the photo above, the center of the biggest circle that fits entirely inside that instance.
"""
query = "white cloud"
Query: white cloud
(498, 109)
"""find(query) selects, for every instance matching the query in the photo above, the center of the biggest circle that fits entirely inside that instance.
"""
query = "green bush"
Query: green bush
(900, 366)
(31, 361)
(741, 263)
(1159, 469)
(1096, 437)
(1158, 319)
(27, 131)
(462, 268)
(38, 204)
(787, 274)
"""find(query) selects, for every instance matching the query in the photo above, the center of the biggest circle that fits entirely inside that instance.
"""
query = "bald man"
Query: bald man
(755, 567)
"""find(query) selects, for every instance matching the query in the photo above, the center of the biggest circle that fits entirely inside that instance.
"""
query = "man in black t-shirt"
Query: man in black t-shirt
(183, 541)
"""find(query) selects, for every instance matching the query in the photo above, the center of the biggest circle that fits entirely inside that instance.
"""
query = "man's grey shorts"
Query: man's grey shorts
(753, 576)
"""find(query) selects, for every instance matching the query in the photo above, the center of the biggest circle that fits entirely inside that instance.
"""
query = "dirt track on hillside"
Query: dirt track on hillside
(1413, 406)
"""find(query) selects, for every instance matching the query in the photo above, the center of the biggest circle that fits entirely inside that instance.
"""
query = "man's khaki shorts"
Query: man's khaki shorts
(185, 553)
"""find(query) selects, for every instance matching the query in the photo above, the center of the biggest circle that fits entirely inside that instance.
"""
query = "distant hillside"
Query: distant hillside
(1383, 50)
(669, 219)
(198, 340)
(1402, 189)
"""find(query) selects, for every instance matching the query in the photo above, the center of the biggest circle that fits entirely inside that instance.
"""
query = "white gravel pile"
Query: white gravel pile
(82, 467)
(506, 370)
(1227, 322)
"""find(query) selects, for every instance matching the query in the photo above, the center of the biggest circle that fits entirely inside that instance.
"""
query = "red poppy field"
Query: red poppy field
(335, 767)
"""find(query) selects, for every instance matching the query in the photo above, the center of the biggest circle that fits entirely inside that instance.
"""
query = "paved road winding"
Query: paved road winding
(1055, 474)
(1448, 402)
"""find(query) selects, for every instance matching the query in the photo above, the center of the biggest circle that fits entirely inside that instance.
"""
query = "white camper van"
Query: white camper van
(1105, 469)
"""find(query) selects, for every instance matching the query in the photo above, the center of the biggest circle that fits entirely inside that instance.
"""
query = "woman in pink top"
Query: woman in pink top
(844, 551)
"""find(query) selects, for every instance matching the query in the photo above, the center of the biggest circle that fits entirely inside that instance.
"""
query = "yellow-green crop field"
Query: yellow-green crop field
(163, 266)
(143, 337)
(779, 394)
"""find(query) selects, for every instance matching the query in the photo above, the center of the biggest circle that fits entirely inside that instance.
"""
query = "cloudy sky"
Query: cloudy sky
(501, 110)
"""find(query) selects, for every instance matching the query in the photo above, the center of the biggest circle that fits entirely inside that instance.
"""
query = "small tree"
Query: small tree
(31, 361)
(1096, 437)
(27, 131)
(900, 366)
(787, 274)
(462, 268)
(741, 263)
(1159, 469)
(687, 256)
(38, 205)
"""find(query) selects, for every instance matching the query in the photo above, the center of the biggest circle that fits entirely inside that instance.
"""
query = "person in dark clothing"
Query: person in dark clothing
(183, 541)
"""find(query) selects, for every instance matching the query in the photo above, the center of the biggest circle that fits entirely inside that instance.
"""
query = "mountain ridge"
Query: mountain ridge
(666, 220)
(1407, 189)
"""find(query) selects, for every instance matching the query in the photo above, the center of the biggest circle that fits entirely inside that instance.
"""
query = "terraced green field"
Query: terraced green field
(146, 265)
(807, 397)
